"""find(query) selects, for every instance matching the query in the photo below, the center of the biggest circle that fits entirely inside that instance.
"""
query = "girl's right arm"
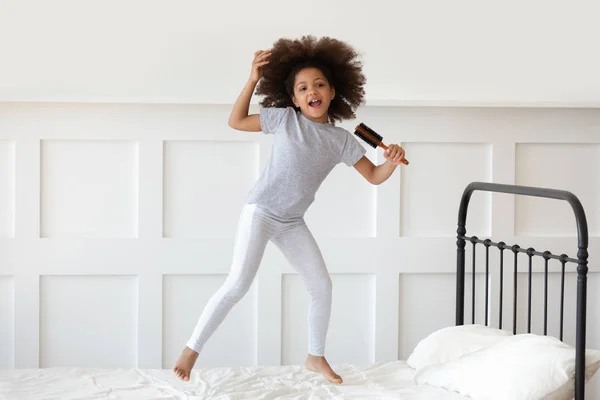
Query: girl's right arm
(239, 118)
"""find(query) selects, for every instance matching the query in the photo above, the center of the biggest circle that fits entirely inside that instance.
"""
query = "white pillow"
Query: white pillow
(525, 366)
(453, 342)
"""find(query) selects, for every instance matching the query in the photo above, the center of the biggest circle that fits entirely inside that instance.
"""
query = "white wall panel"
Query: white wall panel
(7, 188)
(352, 319)
(7, 327)
(205, 186)
(567, 166)
(89, 188)
(425, 306)
(427, 303)
(433, 183)
(345, 205)
(184, 298)
(88, 321)
(554, 297)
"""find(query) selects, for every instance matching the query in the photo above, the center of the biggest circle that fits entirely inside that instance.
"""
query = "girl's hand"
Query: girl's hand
(260, 59)
(394, 154)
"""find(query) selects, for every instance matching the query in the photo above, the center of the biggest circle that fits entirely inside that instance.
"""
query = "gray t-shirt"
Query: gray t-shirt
(303, 154)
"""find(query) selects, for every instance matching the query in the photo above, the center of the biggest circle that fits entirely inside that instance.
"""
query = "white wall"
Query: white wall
(117, 220)
(118, 223)
(188, 51)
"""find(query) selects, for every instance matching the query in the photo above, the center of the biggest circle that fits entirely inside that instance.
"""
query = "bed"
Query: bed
(468, 360)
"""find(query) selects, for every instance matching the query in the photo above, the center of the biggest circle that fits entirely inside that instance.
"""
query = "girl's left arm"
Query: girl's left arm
(380, 173)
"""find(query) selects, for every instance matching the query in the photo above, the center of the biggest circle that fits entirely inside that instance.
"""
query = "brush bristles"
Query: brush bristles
(368, 135)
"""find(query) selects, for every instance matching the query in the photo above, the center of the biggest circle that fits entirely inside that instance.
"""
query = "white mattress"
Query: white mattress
(389, 380)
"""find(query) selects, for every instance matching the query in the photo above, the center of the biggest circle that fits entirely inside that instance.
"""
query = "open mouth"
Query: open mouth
(315, 103)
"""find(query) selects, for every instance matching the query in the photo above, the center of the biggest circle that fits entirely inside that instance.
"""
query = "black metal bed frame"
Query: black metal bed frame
(581, 261)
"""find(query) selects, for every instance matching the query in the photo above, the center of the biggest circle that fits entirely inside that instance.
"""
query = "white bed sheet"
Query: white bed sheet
(387, 380)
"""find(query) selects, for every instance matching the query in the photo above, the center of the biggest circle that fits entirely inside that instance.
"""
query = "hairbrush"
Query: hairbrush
(371, 137)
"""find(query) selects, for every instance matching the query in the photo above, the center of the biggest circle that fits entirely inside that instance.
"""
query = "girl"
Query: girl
(308, 85)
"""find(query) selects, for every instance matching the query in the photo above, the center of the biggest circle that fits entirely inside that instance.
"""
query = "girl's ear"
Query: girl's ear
(332, 93)
(295, 101)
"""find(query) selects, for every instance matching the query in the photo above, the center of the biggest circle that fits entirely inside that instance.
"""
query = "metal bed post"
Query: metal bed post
(581, 261)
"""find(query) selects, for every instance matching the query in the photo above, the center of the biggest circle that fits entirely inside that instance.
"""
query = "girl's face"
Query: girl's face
(313, 94)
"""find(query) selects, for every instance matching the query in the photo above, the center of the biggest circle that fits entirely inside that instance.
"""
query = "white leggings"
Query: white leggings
(256, 228)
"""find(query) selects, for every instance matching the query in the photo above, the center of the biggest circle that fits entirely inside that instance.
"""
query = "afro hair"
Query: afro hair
(336, 59)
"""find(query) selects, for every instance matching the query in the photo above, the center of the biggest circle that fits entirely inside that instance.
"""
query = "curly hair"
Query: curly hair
(336, 59)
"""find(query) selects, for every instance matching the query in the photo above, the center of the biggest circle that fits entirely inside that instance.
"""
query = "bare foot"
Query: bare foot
(185, 363)
(320, 365)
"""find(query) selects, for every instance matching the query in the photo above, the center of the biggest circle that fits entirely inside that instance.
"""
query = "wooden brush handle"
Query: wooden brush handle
(383, 146)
